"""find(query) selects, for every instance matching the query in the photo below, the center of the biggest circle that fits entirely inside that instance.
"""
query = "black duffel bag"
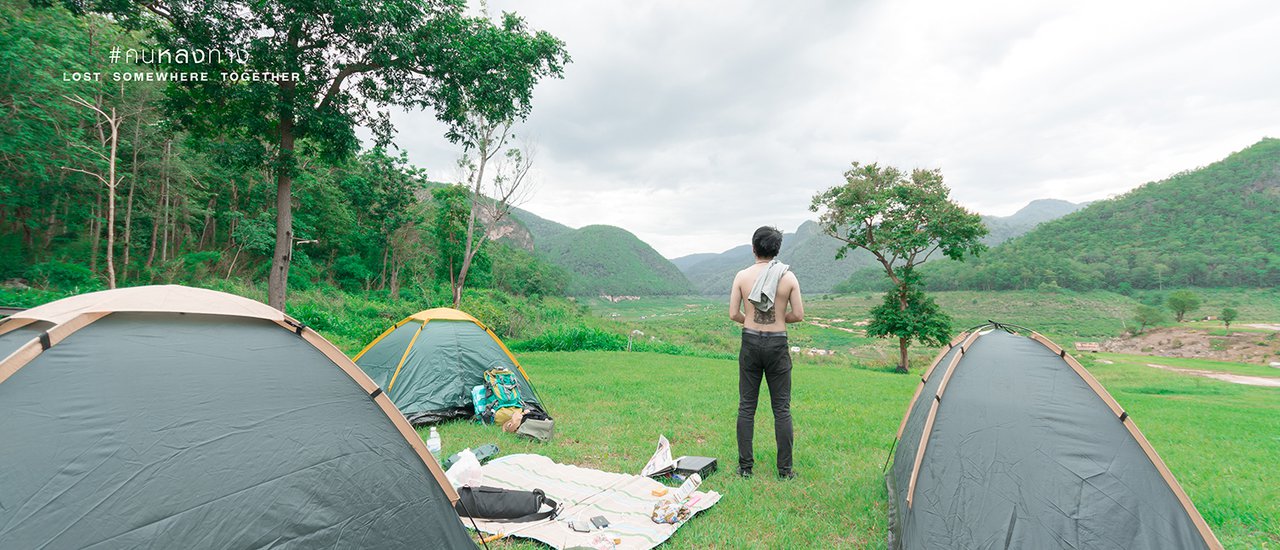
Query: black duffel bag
(497, 504)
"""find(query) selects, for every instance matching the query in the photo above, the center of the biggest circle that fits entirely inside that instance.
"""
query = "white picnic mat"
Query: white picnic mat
(625, 500)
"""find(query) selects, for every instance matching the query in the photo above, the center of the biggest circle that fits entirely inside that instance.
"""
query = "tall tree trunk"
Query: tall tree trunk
(395, 272)
(111, 200)
(386, 255)
(278, 280)
(155, 235)
(96, 228)
(128, 207)
(208, 234)
(903, 341)
(902, 355)
(472, 246)
(395, 280)
(164, 204)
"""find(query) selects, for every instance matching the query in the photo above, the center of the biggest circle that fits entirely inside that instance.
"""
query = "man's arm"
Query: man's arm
(735, 304)
(796, 311)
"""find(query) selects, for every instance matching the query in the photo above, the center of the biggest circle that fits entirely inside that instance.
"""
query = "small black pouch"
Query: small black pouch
(494, 503)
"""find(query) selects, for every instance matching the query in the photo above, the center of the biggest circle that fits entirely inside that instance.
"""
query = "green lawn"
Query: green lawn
(1221, 441)
(702, 322)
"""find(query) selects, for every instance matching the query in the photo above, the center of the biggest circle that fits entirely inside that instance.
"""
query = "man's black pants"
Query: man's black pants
(764, 355)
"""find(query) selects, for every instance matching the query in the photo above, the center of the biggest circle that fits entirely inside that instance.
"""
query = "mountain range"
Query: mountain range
(609, 260)
(811, 253)
(600, 259)
(1212, 226)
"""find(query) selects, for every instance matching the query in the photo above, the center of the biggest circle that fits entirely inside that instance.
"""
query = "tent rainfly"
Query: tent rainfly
(429, 361)
(175, 417)
(1010, 443)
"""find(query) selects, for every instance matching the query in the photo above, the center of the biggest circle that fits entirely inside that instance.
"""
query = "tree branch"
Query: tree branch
(99, 176)
(342, 75)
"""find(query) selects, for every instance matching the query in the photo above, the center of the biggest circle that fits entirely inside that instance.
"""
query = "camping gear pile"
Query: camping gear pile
(175, 417)
(500, 402)
(596, 509)
(442, 363)
(1009, 442)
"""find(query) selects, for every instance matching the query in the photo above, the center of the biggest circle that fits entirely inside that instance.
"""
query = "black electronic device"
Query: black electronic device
(701, 465)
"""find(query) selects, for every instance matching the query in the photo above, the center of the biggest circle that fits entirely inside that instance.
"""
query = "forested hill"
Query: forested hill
(1214, 226)
(1003, 228)
(540, 228)
(603, 259)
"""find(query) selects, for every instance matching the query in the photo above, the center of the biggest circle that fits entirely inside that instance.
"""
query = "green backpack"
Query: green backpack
(501, 385)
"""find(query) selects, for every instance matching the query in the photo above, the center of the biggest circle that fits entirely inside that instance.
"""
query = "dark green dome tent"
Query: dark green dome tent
(174, 417)
(429, 361)
(1010, 443)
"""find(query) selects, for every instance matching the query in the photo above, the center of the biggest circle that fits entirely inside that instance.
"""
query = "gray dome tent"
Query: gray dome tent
(1010, 443)
(174, 417)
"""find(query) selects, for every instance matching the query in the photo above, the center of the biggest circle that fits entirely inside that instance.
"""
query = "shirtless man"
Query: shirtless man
(764, 352)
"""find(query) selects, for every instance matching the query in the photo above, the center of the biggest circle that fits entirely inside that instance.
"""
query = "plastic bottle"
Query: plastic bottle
(433, 443)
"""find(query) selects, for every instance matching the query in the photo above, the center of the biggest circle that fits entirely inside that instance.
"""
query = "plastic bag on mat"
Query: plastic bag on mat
(466, 471)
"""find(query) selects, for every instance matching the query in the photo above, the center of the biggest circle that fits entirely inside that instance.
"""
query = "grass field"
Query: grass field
(1195, 364)
(702, 322)
(1221, 440)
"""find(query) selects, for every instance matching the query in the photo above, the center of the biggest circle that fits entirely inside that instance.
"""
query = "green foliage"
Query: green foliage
(900, 219)
(603, 259)
(1228, 315)
(581, 337)
(198, 266)
(351, 274)
(1211, 227)
(573, 338)
(519, 272)
(60, 275)
(451, 206)
(299, 131)
(1181, 302)
(1148, 316)
(908, 314)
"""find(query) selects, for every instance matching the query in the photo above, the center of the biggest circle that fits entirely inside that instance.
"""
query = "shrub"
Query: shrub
(573, 338)
(66, 276)
(351, 274)
(197, 266)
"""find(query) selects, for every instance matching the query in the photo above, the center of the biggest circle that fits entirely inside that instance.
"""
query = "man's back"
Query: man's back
(776, 319)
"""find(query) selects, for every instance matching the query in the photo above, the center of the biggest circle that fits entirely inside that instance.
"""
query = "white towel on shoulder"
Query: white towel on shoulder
(766, 286)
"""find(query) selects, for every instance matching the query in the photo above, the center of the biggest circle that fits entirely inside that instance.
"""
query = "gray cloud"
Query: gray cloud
(692, 123)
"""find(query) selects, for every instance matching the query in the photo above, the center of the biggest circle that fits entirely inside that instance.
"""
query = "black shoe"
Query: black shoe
(789, 474)
(744, 472)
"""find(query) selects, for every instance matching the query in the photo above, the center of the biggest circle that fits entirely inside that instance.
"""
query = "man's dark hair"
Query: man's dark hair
(765, 242)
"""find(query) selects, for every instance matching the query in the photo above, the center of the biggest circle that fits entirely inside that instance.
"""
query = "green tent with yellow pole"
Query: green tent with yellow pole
(428, 363)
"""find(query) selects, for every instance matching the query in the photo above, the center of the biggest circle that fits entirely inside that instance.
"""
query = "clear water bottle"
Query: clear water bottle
(433, 443)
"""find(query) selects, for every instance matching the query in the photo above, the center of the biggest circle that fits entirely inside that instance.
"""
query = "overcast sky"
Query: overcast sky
(692, 123)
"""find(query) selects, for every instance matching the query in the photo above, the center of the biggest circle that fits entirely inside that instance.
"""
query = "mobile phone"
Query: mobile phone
(600, 522)
(580, 526)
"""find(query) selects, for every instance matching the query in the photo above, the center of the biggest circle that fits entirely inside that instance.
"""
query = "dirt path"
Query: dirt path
(1263, 326)
(1259, 348)
(1225, 377)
